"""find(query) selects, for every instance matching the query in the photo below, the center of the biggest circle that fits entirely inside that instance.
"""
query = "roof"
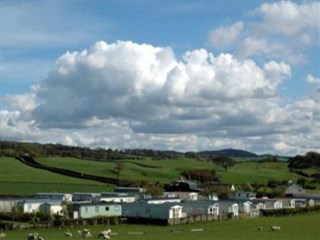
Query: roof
(116, 194)
(52, 203)
(95, 204)
(86, 193)
(53, 194)
(145, 204)
(37, 200)
(205, 203)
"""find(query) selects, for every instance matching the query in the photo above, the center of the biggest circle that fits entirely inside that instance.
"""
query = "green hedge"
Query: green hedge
(289, 211)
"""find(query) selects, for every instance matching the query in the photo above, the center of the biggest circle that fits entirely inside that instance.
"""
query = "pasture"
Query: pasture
(165, 171)
(18, 179)
(304, 227)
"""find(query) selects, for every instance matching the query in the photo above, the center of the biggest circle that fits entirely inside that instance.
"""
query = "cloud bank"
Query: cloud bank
(126, 94)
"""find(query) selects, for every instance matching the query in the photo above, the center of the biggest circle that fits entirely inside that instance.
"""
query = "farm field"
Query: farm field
(254, 172)
(304, 227)
(165, 171)
(19, 179)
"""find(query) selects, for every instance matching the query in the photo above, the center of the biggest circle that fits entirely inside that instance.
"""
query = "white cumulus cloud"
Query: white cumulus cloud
(223, 37)
(130, 95)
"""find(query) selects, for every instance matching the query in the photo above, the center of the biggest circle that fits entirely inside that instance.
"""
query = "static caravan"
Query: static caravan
(93, 210)
(52, 208)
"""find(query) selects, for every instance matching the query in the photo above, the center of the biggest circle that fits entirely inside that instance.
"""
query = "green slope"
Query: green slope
(17, 178)
(167, 170)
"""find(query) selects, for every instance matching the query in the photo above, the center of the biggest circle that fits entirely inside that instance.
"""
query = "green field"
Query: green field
(165, 171)
(17, 178)
(302, 227)
(254, 172)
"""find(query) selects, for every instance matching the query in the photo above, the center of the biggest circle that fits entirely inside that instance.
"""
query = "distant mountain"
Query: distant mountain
(228, 153)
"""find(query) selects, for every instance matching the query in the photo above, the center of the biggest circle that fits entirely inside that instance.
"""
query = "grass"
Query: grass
(165, 171)
(26, 179)
(18, 179)
(253, 172)
(304, 227)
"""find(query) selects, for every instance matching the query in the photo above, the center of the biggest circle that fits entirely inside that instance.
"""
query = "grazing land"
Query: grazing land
(19, 179)
(165, 171)
(298, 227)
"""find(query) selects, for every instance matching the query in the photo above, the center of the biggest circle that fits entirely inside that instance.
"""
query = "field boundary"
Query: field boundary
(31, 162)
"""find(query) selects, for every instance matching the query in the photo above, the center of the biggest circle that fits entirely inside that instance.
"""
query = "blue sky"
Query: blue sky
(176, 63)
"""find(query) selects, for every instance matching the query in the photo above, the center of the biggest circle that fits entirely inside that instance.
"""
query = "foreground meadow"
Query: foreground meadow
(300, 227)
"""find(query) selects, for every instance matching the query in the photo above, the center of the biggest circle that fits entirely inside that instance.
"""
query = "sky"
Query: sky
(167, 75)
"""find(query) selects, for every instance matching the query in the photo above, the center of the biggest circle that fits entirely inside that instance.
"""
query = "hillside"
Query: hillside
(77, 165)
(19, 179)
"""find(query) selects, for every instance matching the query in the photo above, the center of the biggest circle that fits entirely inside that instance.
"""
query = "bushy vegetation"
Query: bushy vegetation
(311, 159)
(14, 149)
(289, 211)
(201, 175)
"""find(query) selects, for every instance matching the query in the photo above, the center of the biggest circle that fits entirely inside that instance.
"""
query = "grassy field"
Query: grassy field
(254, 172)
(300, 227)
(167, 170)
(17, 178)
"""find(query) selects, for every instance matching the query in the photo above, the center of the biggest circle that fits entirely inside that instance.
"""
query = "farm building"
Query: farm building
(92, 210)
(294, 189)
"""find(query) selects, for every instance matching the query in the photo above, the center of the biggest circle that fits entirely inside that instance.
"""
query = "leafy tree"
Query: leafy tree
(311, 159)
(154, 189)
(247, 187)
(262, 191)
(223, 161)
(119, 168)
(221, 191)
(201, 175)
(278, 191)
(301, 181)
